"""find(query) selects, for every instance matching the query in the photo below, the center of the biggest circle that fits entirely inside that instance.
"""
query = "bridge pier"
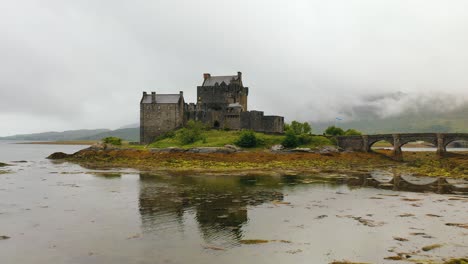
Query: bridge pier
(396, 182)
(397, 152)
(365, 143)
(441, 148)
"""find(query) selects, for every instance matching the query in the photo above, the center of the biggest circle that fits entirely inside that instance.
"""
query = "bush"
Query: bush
(169, 134)
(352, 132)
(191, 133)
(304, 139)
(112, 140)
(247, 139)
(334, 131)
(291, 140)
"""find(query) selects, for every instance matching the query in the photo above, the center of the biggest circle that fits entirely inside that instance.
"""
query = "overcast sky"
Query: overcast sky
(84, 64)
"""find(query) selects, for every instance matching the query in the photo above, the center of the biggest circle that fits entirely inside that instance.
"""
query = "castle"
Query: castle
(221, 104)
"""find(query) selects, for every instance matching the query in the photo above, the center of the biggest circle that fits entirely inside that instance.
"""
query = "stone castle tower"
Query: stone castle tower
(221, 104)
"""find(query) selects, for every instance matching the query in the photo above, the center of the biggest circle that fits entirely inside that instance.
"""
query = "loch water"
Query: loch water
(59, 212)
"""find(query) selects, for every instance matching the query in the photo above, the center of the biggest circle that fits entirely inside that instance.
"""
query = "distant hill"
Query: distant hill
(408, 122)
(129, 134)
(134, 125)
(65, 135)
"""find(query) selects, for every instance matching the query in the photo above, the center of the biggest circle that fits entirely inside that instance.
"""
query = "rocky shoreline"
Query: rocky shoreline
(233, 160)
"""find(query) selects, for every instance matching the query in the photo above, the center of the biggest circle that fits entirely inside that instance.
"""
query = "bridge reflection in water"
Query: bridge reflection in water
(406, 182)
(219, 205)
(365, 142)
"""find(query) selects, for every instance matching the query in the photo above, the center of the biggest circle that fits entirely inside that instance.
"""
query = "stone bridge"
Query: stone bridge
(365, 142)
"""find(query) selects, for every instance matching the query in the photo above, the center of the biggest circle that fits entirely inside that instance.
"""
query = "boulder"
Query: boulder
(277, 148)
(98, 146)
(328, 150)
(58, 155)
(236, 148)
(168, 150)
(211, 150)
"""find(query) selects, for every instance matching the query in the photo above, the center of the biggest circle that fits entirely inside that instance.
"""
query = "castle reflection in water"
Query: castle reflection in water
(218, 203)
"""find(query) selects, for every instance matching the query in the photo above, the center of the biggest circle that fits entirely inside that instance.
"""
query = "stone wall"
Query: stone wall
(256, 121)
(157, 119)
(218, 97)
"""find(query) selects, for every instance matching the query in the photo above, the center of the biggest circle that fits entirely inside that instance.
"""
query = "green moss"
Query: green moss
(457, 261)
(431, 247)
(253, 241)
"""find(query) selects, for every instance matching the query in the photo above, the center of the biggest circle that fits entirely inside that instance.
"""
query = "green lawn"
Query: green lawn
(219, 138)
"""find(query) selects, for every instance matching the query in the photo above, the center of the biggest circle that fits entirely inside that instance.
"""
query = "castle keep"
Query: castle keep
(221, 104)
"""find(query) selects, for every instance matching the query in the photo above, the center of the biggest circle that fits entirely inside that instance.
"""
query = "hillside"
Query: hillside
(65, 135)
(129, 134)
(450, 122)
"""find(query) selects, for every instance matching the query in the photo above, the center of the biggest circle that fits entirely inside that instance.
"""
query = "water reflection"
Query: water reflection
(218, 207)
(219, 204)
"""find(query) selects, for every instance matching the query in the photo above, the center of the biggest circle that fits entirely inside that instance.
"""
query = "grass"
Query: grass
(219, 138)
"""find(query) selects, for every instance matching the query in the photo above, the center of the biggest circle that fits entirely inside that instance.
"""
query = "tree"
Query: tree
(334, 131)
(299, 128)
(191, 133)
(247, 139)
(112, 140)
(352, 132)
(290, 141)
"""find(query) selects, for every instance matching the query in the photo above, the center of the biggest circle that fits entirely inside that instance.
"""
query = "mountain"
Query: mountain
(129, 134)
(134, 125)
(65, 135)
(407, 122)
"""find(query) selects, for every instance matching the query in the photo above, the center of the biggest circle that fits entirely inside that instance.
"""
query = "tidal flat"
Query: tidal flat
(58, 211)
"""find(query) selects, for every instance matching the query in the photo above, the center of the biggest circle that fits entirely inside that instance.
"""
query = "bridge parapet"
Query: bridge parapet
(365, 142)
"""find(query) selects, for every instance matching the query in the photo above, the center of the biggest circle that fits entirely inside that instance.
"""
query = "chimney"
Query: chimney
(181, 93)
(153, 97)
(206, 76)
(144, 93)
(239, 76)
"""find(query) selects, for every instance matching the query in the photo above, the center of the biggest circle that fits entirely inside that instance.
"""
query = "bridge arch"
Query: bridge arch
(365, 142)
(426, 137)
(449, 139)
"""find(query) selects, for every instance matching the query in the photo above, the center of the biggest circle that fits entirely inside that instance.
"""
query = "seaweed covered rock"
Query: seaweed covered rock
(3, 164)
(58, 155)
(211, 150)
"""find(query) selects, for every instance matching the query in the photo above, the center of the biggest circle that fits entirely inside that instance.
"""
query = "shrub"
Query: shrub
(247, 139)
(112, 140)
(290, 140)
(191, 133)
(334, 131)
(352, 132)
(169, 134)
(304, 139)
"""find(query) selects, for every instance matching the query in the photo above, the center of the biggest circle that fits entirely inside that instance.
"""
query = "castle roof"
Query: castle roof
(162, 98)
(217, 80)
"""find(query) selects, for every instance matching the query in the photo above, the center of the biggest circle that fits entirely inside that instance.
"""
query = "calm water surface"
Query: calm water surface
(63, 213)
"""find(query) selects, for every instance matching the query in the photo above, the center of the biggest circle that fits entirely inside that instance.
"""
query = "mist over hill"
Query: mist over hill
(422, 120)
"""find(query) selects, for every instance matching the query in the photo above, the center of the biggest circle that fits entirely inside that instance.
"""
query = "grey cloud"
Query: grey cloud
(85, 63)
